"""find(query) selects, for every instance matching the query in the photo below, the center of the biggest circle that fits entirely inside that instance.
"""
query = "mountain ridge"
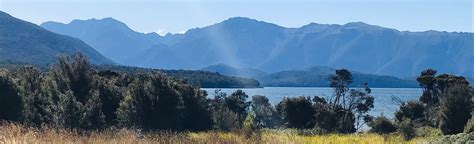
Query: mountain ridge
(25, 42)
(249, 43)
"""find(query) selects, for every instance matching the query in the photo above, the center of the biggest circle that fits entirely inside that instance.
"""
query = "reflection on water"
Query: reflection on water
(384, 103)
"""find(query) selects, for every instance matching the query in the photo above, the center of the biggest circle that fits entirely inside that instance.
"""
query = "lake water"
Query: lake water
(384, 103)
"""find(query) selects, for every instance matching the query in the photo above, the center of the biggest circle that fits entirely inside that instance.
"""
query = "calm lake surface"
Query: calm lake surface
(384, 103)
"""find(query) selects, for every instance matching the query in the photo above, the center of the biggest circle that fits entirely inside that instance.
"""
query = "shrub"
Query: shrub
(455, 109)
(225, 119)
(297, 112)
(10, 101)
(151, 103)
(250, 124)
(382, 125)
(412, 110)
(331, 119)
(265, 113)
(236, 102)
(407, 129)
(29, 81)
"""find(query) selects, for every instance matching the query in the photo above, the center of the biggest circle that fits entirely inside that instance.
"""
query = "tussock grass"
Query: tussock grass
(15, 133)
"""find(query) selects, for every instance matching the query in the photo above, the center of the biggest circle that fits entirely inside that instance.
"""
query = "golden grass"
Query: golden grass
(13, 133)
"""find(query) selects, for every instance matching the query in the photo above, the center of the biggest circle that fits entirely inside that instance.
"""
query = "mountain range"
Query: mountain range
(24, 42)
(256, 45)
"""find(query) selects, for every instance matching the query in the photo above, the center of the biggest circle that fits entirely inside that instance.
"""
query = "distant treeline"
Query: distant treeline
(197, 78)
(74, 95)
(203, 79)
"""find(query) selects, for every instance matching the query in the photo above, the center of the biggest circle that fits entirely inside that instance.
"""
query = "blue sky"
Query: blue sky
(180, 15)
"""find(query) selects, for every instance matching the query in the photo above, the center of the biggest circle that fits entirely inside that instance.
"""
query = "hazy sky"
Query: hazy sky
(179, 15)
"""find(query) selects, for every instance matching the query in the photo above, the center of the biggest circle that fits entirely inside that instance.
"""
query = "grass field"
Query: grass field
(13, 133)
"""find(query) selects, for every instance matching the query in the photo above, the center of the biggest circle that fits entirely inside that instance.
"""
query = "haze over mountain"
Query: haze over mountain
(24, 42)
(247, 43)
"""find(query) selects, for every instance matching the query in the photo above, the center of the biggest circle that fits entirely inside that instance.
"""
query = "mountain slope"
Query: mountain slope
(24, 42)
(247, 43)
(110, 37)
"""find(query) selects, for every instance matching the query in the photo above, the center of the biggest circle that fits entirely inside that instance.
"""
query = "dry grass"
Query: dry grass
(13, 133)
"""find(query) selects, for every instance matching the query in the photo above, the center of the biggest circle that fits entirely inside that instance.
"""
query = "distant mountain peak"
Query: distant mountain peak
(362, 25)
(4, 15)
(244, 21)
(239, 19)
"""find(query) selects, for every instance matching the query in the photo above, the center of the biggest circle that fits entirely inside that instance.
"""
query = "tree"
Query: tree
(455, 109)
(10, 101)
(223, 118)
(413, 110)
(297, 112)
(35, 105)
(265, 113)
(236, 102)
(354, 104)
(382, 125)
(71, 87)
(151, 103)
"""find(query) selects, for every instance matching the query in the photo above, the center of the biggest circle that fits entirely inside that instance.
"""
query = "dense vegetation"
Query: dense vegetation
(73, 95)
(197, 78)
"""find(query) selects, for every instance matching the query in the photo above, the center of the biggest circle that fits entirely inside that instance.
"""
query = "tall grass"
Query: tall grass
(14, 133)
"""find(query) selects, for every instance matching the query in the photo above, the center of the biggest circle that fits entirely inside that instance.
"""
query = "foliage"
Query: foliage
(355, 103)
(35, 106)
(198, 78)
(297, 112)
(236, 102)
(412, 110)
(382, 125)
(407, 129)
(223, 118)
(71, 87)
(266, 115)
(455, 109)
(10, 101)
(250, 124)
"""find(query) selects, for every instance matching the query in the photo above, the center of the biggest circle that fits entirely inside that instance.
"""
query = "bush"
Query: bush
(455, 109)
(382, 125)
(297, 112)
(10, 101)
(236, 102)
(265, 113)
(224, 119)
(250, 125)
(407, 129)
(412, 110)
(332, 119)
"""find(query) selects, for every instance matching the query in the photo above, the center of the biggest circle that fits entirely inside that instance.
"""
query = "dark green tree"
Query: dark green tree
(72, 88)
(265, 113)
(455, 108)
(353, 104)
(223, 118)
(237, 103)
(10, 100)
(35, 104)
(382, 125)
(297, 112)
